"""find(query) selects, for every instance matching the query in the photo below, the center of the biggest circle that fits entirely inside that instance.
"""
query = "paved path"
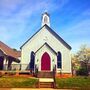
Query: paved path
(31, 89)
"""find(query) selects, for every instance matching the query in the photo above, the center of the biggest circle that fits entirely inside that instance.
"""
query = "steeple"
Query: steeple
(45, 19)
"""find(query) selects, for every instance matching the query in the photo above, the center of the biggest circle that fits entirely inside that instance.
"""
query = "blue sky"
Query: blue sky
(20, 19)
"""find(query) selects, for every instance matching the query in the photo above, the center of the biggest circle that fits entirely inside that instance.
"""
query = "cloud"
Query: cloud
(87, 12)
(78, 34)
(81, 28)
(20, 10)
(4, 34)
(11, 31)
(18, 17)
(8, 6)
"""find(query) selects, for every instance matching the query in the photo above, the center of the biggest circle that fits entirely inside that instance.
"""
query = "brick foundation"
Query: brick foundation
(63, 75)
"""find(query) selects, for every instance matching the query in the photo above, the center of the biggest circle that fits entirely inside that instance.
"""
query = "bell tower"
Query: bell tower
(45, 19)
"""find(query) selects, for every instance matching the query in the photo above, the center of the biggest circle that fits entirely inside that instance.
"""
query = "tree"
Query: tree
(75, 63)
(83, 57)
(14, 49)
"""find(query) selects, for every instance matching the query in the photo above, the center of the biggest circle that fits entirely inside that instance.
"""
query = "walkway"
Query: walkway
(31, 89)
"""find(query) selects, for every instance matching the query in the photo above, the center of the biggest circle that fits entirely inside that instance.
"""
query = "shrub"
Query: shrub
(0, 74)
(10, 73)
(82, 71)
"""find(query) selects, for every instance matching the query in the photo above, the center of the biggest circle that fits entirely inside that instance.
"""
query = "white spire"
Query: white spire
(45, 19)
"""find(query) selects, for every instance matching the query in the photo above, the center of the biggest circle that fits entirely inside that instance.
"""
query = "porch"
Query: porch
(8, 56)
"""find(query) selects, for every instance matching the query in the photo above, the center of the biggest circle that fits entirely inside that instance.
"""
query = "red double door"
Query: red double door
(45, 62)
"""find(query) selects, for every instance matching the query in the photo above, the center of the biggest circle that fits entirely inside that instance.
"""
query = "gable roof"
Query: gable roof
(53, 33)
(47, 46)
(9, 51)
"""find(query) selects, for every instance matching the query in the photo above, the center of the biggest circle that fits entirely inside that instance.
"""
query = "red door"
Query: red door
(45, 61)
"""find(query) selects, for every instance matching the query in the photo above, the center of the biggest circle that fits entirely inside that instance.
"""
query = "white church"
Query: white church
(46, 50)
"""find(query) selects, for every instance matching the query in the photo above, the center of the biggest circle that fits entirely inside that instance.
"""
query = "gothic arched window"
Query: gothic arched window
(45, 19)
(32, 61)
(59, 60)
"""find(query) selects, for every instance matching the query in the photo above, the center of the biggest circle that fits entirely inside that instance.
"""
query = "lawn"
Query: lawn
(12, 82)
(82, 83)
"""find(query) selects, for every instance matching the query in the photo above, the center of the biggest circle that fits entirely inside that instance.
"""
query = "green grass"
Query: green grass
(12, 82)
(82, 83)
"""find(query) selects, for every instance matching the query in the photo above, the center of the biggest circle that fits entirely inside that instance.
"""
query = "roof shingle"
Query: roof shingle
(9, 51)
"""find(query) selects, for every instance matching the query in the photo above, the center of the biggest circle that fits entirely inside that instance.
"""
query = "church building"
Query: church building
(46, 51)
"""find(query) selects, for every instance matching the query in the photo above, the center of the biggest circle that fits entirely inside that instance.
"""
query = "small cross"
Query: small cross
(45, 39)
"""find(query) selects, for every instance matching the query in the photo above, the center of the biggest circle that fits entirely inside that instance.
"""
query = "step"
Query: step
(46, 83)
(45, 74)
(46, 80)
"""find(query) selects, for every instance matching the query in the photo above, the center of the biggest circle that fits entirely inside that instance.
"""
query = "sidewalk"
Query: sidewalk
(31, 89)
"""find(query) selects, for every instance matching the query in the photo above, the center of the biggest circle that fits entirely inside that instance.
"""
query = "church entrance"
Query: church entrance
(45, 62)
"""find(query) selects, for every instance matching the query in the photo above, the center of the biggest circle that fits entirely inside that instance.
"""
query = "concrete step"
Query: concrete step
(46, 80)
(45, 74)
(46, 83)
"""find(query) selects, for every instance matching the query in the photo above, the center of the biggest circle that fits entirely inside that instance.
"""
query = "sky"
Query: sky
(20, 19)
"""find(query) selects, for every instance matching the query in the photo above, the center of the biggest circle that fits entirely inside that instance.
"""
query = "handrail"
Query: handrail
(54, 73)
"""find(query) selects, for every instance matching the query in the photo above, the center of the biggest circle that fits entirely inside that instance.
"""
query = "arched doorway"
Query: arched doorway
(45, 62)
